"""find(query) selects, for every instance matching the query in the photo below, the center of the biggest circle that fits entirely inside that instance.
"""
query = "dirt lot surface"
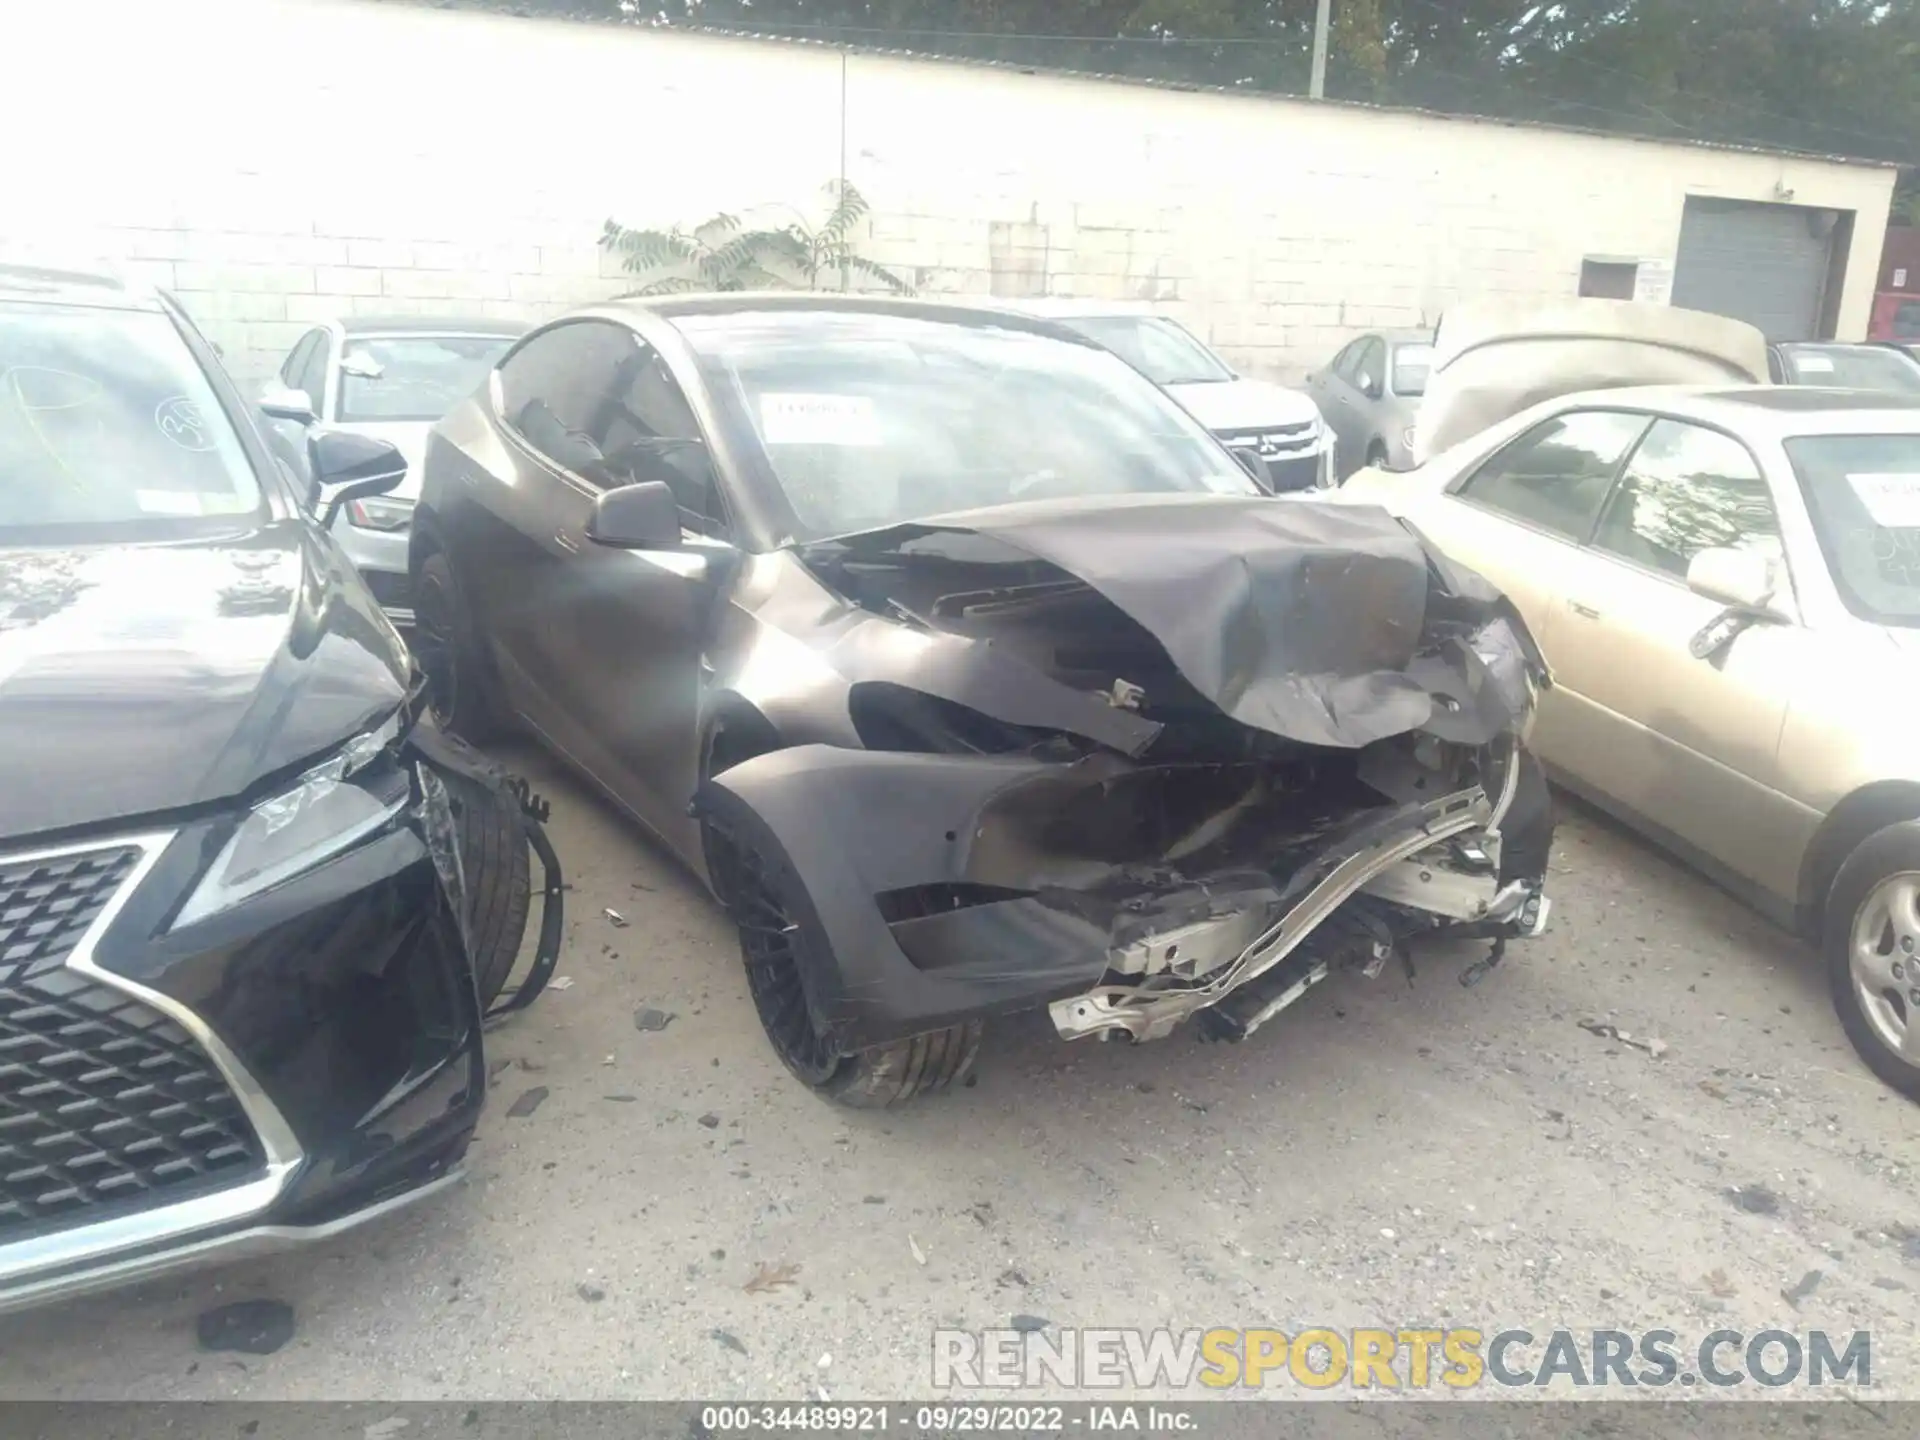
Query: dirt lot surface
(1384, 1154)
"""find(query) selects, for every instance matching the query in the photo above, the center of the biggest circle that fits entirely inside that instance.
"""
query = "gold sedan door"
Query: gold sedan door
(1689, 744)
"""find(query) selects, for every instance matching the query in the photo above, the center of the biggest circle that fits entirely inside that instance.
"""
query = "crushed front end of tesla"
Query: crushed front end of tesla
(1136, 761)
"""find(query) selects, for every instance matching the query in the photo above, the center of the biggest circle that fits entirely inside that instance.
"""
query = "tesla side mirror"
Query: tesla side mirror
(283, 402)
(636, 517)
(347, 467)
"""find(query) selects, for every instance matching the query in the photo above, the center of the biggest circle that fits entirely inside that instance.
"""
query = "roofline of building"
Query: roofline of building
(1054, 72)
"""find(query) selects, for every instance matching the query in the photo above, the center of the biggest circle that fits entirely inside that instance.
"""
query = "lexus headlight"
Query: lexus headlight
(374, 513)
(337, 803)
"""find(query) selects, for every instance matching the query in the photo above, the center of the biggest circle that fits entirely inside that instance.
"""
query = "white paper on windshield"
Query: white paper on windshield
(168, 502)
(1892, 501)
(794, 419)
(1813, 364)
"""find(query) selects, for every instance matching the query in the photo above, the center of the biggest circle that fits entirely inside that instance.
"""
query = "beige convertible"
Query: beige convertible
(1725, 579)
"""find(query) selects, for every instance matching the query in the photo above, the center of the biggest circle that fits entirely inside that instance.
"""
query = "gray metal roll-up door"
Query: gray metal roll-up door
(1764, 264)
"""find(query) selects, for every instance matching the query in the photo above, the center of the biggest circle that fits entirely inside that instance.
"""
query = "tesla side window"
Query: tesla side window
(554, 386)
(646, 430)
(1688, 489)
(1556, 476)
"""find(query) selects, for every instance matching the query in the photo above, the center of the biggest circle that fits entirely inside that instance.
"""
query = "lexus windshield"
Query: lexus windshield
(109, 430)
(1864, 493)
(867, 421)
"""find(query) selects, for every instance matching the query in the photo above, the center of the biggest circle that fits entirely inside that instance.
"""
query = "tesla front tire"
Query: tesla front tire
(776, 935)
(459, 682)
(1872, 948)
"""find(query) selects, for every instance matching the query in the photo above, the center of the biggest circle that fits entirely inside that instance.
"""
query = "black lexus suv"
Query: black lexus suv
(253, 906)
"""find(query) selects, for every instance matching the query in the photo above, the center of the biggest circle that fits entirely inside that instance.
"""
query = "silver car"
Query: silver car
(1852, 367)
(1370, 395)
(390, 378)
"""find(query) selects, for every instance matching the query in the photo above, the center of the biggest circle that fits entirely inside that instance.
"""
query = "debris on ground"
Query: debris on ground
(1754, 1199)
(528, 1102)
(1807, 1284)
(710, 1120)
(619, 920)
(771, 1277)
(494, 1067)
(1707, 1087)
(592, 1294)
(919, 1255)
(532, 1067)
(385, 1429)
(1717, 1282)
(1029, 1324)
(649, 1019)
(730, 1341)
(620, 1099)
(560, 982)
(246, 1327)
(1606, 1031)
(982, 1213)
(1012, 1277)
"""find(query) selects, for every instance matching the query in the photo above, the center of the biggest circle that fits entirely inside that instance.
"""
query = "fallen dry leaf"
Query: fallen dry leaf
(1720, 1285)
(771, 1277)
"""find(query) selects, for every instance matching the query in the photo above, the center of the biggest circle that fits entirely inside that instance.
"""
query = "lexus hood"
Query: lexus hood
(141, 679)
(1493, 360)
(1232, 405)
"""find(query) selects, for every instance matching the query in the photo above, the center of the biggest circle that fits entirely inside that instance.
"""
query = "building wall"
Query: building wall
(279, 161)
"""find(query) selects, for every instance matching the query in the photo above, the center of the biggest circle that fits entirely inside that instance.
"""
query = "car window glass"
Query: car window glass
(296, 361)
(646, 431)
(1557, 474)
(1347, 363)
(313, 372)
(1685, 490)
(1411, 366)
(553, 387)
(1372, 364)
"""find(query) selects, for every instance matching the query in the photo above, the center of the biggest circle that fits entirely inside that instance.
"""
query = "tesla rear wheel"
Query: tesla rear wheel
(773, 944)
(1873, 954)
(458, 683)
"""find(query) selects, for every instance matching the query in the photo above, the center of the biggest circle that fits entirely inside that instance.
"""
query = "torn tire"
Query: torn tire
(496, 862)
(774, 934)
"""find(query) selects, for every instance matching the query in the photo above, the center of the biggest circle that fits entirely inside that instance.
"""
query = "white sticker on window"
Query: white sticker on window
(793, 419)
(1892, 501)
(168, 502)
(1813, 364)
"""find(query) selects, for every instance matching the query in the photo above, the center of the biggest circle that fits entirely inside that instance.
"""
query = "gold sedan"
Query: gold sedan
(1725, 579)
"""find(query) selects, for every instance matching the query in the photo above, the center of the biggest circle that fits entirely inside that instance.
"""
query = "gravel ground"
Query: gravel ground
(1384, 1154)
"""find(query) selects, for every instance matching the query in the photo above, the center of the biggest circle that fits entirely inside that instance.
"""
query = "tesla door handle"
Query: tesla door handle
(1585, 612)
(566, 542)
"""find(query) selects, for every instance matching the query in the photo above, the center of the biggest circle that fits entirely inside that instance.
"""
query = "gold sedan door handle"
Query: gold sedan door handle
(1585, 612)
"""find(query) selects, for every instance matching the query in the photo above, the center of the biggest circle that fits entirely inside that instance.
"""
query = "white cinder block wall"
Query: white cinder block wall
(280, 161)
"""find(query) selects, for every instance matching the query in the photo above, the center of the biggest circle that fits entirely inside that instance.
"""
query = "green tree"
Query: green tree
(723, 253)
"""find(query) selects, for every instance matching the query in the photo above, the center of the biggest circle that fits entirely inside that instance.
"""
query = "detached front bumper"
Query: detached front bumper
(276, 1073)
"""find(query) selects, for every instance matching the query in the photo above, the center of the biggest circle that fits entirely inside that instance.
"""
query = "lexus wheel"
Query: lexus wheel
(1872, 948)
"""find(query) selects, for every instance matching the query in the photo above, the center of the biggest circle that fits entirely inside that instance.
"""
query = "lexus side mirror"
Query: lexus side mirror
(283, 402)
(636, 517)
(347, 467)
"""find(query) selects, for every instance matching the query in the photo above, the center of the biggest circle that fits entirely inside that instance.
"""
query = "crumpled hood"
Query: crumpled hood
(1244, 404)
(409, 437)
(1329, 624)
(1492, 360)
(140, 679)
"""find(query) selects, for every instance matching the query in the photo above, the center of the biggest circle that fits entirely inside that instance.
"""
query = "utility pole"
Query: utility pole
(1322, 23)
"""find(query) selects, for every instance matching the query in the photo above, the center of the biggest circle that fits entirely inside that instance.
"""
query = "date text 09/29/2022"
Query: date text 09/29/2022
(942, 1419)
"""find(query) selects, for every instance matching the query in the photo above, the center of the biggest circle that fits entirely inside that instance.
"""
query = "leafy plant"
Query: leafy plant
(725, 253)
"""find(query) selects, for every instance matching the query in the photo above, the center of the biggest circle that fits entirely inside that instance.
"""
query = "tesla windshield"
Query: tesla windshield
(873, 420)
(110, 430)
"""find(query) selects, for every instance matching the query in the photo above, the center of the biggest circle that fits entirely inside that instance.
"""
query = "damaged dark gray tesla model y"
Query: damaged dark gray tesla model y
(973, 674)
